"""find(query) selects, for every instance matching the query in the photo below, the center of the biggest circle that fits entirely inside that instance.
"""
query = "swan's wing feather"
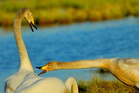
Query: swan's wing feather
(14, 81)
(128, 63)
(42, 85)
(9, 86)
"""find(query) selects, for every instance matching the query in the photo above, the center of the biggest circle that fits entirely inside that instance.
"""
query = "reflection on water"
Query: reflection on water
(82, 41)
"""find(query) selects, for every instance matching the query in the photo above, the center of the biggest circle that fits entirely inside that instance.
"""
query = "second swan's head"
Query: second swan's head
(25, 12)
(51, 66)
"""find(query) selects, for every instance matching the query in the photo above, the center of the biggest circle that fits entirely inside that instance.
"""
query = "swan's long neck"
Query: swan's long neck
(102, 63)
(24, 59)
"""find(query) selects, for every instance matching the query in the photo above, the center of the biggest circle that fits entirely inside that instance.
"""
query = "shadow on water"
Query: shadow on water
(108, 39)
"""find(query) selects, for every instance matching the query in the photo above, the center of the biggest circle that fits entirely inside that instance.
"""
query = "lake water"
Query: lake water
(108, 39)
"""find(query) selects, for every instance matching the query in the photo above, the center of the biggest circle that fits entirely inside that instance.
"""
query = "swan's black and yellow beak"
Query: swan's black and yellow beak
(32, 24)
(44, 68)
(44, 71)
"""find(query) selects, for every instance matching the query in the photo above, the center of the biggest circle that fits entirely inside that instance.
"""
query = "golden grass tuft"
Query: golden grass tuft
(95, 15)
(102, 86)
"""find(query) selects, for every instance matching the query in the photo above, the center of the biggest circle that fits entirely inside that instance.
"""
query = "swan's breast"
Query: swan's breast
(126, 70)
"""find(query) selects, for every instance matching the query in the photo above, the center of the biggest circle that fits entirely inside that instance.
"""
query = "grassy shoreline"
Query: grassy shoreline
(102, 86)
(48, 12)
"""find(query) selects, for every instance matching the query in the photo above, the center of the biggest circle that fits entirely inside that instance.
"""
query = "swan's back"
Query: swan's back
(42, 85)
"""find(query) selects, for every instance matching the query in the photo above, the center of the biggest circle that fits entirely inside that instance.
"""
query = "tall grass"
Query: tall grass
(102, 86)
(68, 11)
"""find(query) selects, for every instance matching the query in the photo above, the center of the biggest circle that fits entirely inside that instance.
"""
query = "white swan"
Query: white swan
(25, 80)
(126, 69)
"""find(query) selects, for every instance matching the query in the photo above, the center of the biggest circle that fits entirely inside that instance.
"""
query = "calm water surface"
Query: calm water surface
(108, 39)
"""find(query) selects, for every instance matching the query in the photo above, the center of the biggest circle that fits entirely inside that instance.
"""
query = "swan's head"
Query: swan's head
(25, 12)
(51, 66)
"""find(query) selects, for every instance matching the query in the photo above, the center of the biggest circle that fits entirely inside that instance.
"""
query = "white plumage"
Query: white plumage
(25, 80)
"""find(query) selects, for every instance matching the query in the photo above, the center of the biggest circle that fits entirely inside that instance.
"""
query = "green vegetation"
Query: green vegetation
(102, 86)
(48, 12)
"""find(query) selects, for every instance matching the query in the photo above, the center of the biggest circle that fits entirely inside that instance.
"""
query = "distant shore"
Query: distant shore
(51, 12)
